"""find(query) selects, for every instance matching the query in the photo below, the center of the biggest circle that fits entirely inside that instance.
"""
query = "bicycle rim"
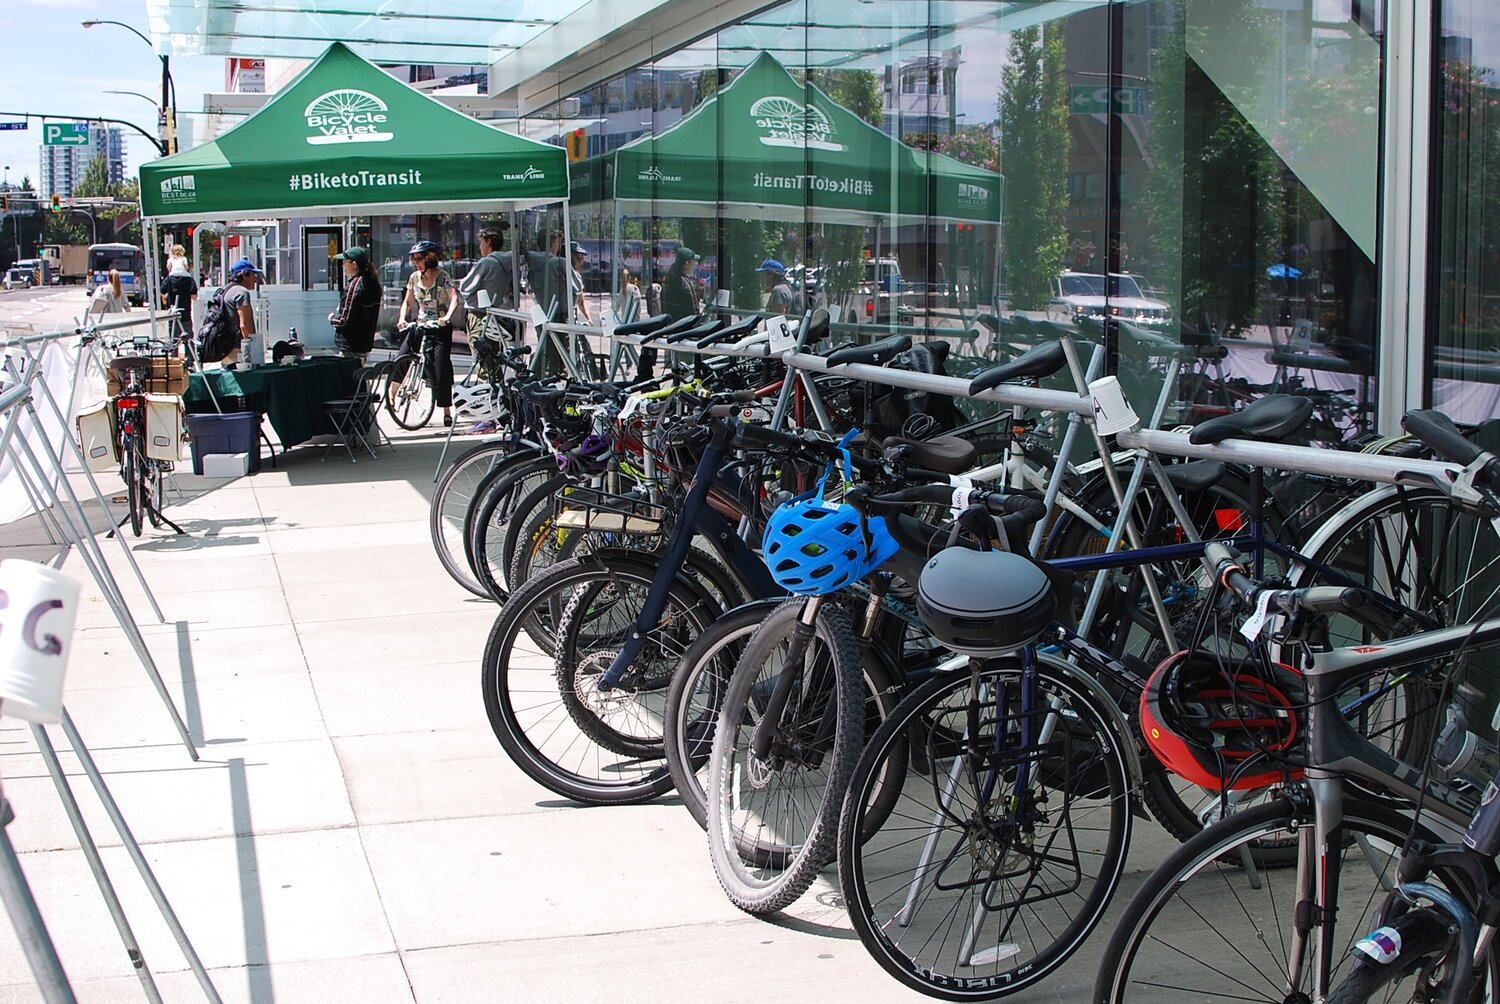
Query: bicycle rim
(135, 490)
(410, 400)
(448, 514)
(999, 856)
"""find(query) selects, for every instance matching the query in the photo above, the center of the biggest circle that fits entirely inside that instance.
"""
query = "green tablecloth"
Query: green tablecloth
(291, 396)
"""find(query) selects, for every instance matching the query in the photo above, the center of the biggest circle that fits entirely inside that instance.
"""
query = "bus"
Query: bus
(129, 259)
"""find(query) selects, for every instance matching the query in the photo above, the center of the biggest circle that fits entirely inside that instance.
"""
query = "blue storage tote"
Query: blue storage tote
(236, 432)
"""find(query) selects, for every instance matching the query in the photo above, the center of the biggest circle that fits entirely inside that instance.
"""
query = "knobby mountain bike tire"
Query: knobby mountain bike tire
(1208, 924)
(988, 861)
(550, 643)
(772, 822)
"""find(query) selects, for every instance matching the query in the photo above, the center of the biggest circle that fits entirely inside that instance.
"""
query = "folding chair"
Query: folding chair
(354, 418)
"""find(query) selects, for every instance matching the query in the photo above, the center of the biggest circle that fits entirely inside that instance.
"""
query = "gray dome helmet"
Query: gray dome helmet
(984, 603)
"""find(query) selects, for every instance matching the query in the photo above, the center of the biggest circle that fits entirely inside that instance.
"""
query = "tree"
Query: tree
(1034, 144)
(95, 182)
(26, 187)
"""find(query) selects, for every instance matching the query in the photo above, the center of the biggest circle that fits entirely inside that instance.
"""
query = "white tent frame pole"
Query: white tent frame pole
(31, 930)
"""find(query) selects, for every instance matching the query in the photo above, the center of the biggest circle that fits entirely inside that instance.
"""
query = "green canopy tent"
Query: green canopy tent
(347, 138)
(773, 147)
(769, 146)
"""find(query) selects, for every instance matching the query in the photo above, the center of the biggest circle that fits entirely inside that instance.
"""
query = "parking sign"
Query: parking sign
(65, 134)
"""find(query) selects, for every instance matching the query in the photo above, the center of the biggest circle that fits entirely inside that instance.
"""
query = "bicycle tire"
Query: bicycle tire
(135, 488)
(492, 516)
(1374, 837)
(537, 735)
(1085, 776)
(765, 864)
(696, 696)
(1429, 941)
(539, 501)
(410, 402)
(540, 545)
(447, 513)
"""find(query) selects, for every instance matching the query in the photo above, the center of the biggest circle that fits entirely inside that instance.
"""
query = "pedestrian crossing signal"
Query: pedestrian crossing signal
(577, 145)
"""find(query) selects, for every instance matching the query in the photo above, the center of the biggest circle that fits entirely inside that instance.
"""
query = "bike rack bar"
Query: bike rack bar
(1306, 459)
(1026, 397)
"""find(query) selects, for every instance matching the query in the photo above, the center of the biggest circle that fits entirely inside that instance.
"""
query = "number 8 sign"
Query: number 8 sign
(38, 608)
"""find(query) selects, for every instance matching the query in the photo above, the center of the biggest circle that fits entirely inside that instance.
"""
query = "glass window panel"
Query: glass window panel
(1464, 346)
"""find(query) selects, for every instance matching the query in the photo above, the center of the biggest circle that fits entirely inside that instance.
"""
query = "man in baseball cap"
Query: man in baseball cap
(779, 296)
(239, 304)
(575, 281)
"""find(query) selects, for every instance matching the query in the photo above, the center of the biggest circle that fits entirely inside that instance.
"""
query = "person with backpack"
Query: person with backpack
(355, 321)
(229, 316)
(179, 290)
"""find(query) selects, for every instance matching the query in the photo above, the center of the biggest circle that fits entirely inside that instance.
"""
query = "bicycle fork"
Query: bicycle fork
(770, 722)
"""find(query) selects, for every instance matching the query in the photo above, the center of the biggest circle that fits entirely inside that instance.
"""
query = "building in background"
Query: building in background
(63, 166)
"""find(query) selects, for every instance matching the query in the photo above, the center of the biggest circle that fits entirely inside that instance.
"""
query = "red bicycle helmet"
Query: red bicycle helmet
(1204, 717)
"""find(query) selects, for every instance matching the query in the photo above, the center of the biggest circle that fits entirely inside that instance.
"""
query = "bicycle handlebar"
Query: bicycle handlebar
(1308, 599)
(1439, 434)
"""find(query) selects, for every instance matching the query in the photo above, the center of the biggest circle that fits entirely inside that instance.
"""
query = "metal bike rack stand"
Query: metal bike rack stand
(17, 402)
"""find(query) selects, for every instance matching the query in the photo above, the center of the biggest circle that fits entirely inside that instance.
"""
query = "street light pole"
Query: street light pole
(166, 120)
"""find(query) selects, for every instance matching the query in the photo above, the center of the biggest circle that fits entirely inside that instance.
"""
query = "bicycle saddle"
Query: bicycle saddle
(694, 333)
(681, 324)
(733, 333)
(1266, 420)
(124, 364)
(944, 454)
(877, 353)
(991, 321)
(644, 327)
(817, 327)
(1042, 361)
(1195, 475)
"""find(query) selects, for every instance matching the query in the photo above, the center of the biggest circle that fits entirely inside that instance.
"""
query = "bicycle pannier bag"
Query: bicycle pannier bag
(96, 434)
(217, 336)
(163, 426)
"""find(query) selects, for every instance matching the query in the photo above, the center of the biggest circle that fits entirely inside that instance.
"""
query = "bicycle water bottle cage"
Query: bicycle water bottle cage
(814, 547)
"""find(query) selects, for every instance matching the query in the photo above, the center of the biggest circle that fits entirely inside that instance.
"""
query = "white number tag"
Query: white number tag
(1256, 623)
(962, 488)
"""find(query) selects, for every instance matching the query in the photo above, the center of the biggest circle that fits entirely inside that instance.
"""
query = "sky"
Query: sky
(50, 63)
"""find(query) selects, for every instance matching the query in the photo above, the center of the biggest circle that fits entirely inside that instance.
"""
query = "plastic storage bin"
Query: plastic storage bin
(236, 432)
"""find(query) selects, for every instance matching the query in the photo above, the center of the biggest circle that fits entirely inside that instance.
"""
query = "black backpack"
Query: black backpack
(217, 336)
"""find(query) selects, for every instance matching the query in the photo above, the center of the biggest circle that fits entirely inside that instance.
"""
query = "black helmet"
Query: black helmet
(422, 247)
(984, 603)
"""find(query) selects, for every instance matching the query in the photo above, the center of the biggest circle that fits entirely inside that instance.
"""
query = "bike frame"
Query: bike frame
(696, 518)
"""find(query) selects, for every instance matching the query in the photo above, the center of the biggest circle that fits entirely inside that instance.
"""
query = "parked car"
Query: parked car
(1088, 294)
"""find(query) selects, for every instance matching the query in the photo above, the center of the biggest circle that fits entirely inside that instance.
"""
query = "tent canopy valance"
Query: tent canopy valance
(772, 147)
(347, 138)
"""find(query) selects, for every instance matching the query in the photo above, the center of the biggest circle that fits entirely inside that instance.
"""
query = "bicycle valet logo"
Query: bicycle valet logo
(347, 116)
(655, 174)
(180, 189)
(532, 173)
(973, 195)
(786, 121)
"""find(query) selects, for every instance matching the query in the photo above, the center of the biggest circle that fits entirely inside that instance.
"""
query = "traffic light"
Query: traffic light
(56, 203)
(577, 145)
(4, 203)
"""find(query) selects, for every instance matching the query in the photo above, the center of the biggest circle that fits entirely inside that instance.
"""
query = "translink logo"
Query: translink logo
(532, 173)
(654, 173)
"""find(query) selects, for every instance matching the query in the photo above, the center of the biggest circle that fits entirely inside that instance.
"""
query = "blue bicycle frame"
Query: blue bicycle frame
(696, 518)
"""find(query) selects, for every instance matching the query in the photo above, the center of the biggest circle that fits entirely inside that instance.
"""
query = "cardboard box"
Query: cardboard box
(167, 377)
(226, 465)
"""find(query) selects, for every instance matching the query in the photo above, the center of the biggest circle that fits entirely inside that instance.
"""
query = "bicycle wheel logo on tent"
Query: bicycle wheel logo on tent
(786, 121)
(346, 116)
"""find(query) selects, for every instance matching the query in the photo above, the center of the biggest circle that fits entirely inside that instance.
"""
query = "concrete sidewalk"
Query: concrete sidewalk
(353, 831)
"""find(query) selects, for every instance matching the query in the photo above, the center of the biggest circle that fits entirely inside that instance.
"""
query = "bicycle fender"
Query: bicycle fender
(1116, 716)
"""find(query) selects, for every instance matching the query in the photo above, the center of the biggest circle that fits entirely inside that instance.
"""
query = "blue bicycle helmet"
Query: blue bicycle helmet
(422, 247)
(814, 547)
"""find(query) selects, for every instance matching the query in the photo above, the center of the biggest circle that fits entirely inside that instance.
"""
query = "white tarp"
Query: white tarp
(59, 373)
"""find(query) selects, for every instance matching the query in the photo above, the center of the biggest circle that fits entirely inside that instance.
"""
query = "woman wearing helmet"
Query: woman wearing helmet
(430, 302)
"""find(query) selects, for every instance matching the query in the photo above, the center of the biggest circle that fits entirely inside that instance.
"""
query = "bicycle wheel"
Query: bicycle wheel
(531, 542)
(1424, 952)
(1209, 925)
(548, 646)
(409, 395)
(772, 822)
(492, 514)
(999, 855)
(451, 499)
(135, 486)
